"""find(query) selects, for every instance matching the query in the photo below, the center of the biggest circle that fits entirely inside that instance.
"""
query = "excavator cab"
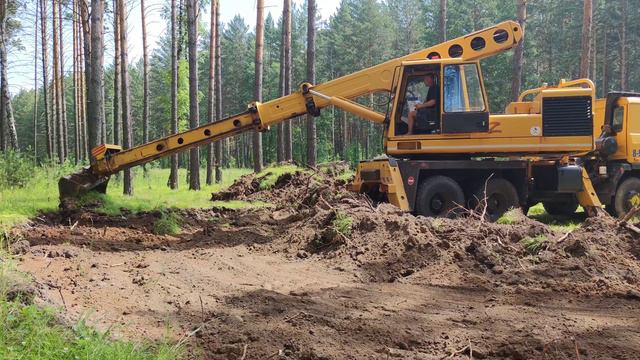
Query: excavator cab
(460, 100)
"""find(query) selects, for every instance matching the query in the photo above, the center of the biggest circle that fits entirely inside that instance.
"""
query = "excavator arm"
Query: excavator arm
(107, 160)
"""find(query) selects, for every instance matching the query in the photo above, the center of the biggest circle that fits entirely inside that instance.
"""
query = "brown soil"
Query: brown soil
(283, 282)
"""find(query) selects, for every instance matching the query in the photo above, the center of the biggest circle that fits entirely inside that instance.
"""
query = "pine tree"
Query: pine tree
(192, 29)
(257, 136)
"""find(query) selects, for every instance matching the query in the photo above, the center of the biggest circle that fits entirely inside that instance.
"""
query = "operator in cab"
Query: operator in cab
(426, 112)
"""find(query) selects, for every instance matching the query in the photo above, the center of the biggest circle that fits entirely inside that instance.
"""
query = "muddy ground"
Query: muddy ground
(326, 274)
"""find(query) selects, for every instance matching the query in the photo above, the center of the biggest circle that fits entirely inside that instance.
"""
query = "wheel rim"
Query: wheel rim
(437, 204)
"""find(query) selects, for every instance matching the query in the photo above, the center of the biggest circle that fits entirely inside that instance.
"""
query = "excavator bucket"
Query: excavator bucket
(81, 182)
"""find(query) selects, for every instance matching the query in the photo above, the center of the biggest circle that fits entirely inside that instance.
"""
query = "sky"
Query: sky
(21, 61)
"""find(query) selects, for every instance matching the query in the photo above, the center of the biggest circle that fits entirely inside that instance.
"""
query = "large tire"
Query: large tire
(500, 196)
(439, 196)
(628, 189)
(560, 208)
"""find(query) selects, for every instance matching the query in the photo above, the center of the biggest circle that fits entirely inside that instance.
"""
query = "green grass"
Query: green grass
(168, 224)
(342, 224)
(533, 245)
(41, 193)
(557, 223)
(150, 193)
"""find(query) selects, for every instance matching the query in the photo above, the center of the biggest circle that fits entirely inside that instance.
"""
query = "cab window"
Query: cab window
(462, 89)
(618, 118)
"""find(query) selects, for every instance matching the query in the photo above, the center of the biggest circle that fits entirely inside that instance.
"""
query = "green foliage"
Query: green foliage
(168, 224)
(15, 170)
(343, 224)
(533, 245)
(509, 218)
(151, 193)
(557, 223)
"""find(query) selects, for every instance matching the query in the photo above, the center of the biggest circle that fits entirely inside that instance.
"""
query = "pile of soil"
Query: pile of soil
(328, 274)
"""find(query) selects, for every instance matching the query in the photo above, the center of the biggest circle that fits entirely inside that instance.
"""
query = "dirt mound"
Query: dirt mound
(288, 189)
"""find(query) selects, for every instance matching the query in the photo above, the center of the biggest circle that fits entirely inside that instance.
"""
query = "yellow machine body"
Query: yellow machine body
(461, 127)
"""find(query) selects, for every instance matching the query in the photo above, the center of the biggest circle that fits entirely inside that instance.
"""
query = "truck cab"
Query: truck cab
(615, 168)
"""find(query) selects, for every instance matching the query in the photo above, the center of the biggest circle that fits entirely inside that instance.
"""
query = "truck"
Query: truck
(557, 144)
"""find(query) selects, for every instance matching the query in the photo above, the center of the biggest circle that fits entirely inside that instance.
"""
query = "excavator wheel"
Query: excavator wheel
(494, 198)
(439, 196)
(560, 208)
(627, 193)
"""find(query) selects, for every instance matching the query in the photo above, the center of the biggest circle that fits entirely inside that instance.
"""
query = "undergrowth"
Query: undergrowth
(533, 245)
(150, 193)
(168, 224)
(342, 224)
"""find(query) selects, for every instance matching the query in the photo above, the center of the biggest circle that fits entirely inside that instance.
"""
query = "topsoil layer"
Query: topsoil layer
(327, 274)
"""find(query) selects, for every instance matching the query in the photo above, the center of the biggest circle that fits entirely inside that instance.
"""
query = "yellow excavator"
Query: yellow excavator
(452, 154)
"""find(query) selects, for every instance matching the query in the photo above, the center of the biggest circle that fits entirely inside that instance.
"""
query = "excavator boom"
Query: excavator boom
(107, 160)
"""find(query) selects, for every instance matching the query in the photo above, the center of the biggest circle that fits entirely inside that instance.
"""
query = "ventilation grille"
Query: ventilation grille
(567, 116)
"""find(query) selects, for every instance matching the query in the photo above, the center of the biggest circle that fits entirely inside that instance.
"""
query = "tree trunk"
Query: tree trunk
(76, 85)
(57, 75)
(95, 84)
(605, 63)
(127, 141)
(280, 127)
(442, 21)
(286, 13)
(63, 101)
(83, 90)
(587, 15)
(311, 78)
(518, 57)
(117, 114)
(7, 109)
(257, 90)
(192, 29)
(219, 144)
(624, 76)
(211, 89)
(45, 76)
(145, 79)
(35, 87)
(173, 176)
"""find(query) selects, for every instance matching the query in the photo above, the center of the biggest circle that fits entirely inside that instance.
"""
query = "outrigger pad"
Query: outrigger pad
(79, 183)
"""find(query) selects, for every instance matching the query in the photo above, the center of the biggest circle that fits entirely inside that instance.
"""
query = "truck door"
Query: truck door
(464, 105)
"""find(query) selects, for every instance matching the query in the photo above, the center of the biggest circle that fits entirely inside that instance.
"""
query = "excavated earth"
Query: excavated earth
(327, 274)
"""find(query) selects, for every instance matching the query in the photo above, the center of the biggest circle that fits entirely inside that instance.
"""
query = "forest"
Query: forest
(202, 69)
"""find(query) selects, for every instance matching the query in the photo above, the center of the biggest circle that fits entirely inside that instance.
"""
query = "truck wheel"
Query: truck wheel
(499, 197)
(629, 189)
(557, 208)
(439, 196)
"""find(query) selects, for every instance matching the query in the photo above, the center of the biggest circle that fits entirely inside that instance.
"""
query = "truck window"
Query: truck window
(462, 89)
(618, 117)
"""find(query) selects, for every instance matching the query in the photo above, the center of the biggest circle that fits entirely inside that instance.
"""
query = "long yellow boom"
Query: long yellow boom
(107, 160)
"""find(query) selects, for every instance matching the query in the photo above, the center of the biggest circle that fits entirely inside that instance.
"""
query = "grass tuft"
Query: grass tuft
(343, 224)
(168, 224)
(533, 245)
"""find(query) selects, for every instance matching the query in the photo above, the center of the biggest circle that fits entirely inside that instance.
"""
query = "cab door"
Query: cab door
(464, 104)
